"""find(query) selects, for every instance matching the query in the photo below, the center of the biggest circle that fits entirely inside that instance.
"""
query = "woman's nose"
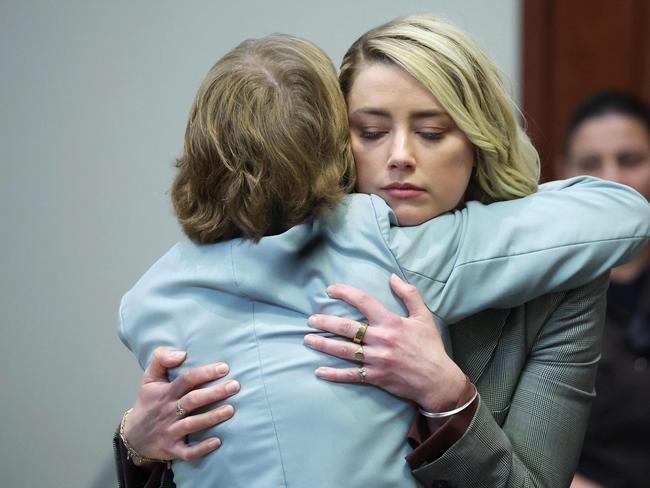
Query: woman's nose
(612, 171)
(401, 154)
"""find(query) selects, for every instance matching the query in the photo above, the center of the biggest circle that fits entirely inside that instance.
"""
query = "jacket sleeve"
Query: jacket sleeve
(504, 254)
(538, 441)
(131, 476)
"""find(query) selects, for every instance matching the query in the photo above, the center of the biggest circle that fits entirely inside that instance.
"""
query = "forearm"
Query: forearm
(529, 426)
(508, 253)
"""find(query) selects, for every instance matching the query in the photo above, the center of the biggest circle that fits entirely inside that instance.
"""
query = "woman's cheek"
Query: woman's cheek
(364, 181)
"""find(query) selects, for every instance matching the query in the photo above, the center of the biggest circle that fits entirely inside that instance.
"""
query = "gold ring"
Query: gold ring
(361, 331)
(180, 411)
(363, 373)
(359, 355)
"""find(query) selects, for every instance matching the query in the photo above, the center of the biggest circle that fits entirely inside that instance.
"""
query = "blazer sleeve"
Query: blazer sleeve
(131, 476)
(504, 254)
(538, 442)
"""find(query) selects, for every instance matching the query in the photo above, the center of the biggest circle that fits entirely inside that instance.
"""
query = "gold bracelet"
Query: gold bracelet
(132, 453)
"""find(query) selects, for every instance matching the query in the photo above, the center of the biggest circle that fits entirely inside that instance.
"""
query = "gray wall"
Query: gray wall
(93, 101)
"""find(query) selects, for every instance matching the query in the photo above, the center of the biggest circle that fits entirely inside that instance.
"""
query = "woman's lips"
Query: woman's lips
(403, 190)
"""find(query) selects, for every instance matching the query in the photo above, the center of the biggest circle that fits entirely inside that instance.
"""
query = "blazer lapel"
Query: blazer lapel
(475, 338)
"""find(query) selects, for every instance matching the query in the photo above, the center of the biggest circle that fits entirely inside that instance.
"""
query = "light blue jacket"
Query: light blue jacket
(247, 304)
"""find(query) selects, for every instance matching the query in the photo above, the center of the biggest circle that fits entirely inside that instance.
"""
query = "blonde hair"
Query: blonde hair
(470, 88)
(266, 144)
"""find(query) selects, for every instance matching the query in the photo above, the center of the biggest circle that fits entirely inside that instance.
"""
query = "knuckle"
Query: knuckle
(159, 352)
(218, 393)
(218, 415)
(379, 358)
(410, 289)
(384, 359)
(350, 328)
(393, 321)
(190, 400)
(351, 376)
(380, 376)
(203, 374)
(389, 361)
(186, 377)
(169, 453)
(190, 424)
(363, 298)
(382, 335)
(319, 341)
(390, 337)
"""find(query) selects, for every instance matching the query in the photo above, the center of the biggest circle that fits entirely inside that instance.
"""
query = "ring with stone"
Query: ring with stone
(363, 373)
(359, 354)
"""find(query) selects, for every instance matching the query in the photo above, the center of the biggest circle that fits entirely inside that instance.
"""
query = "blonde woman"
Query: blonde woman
(263, 127)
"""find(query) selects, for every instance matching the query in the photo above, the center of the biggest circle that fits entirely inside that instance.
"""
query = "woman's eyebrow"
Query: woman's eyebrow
(425, 114)
(420, 114)
(371, 111)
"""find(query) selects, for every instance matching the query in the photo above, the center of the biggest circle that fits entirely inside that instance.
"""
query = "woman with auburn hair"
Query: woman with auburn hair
(247, 292)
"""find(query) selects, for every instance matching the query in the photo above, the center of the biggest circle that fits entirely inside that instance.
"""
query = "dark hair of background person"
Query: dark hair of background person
(603, 103)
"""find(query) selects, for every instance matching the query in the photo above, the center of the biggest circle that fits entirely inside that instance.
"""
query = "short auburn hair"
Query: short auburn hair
(266, 145)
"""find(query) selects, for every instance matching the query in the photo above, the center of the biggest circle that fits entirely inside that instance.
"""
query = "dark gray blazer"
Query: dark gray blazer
(534, 367)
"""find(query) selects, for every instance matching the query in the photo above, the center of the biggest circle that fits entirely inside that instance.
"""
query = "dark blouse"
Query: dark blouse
(616, 451)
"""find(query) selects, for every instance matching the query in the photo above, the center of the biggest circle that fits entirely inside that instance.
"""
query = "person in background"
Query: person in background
(608, 136)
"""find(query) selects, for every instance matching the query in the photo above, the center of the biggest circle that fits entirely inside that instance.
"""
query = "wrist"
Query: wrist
(469, 395)
(132, 454)
(457, 391)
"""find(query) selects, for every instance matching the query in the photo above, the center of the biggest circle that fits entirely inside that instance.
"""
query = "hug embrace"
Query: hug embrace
(372, 258)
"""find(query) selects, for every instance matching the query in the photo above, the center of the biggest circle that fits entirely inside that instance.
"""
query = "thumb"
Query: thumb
(410, 296)
(162, 360)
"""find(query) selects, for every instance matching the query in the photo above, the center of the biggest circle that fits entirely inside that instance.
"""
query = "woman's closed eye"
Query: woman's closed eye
(430, 135)
(371, 133)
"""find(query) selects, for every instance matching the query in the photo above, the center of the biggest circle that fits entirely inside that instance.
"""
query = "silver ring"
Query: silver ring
(180, 411)
(359, 354)
(363, 373)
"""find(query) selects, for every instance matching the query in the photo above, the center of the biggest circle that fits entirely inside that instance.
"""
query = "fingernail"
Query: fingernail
(319, 372)
(221, 368)
(227, 410)
(331, 289)
(311, 320)
(309, 339)
(214, 443)
(232, 386)
(397, 277)
(177, 354)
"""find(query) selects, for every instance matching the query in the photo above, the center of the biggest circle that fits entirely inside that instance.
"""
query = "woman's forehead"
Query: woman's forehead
(380, 85)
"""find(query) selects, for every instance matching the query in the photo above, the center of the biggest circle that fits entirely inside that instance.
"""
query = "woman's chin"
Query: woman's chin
(415, 216)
